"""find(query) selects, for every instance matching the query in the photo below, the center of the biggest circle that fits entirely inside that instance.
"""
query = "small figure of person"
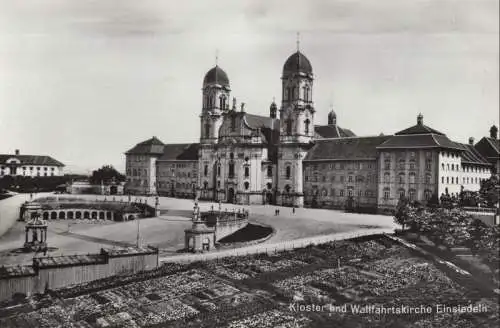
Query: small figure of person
(293, 210)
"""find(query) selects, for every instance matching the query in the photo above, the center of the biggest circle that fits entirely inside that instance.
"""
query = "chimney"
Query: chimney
(471, 141)
(420, 119)
(494, 132)
(17, 152)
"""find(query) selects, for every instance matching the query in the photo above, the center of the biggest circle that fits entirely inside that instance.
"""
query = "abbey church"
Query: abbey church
(286, 159)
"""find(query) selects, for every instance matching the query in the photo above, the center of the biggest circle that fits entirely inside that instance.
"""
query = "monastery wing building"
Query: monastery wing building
(286, 159)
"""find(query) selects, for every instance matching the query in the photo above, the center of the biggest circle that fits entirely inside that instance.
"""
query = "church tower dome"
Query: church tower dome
(216, 76)
(297, 63)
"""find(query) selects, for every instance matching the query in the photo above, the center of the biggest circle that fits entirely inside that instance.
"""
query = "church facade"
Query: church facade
(284, 158)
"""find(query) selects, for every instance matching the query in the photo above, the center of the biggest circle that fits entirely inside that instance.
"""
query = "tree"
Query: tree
(490, 190)
(106, 175)
(404, 213)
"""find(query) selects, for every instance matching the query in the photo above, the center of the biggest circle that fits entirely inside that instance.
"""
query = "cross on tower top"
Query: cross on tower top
(216, 57)
(298, 41)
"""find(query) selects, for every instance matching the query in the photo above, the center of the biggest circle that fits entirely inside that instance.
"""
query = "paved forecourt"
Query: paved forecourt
(167, 231)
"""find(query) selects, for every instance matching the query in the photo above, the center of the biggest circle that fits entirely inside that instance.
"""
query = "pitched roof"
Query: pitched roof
(151, 146)
(332, 131)
(495, 143)
(180, 152)
(356, 148)
(471, 156)
(418, 129)
(429, 140)
(269, 127)
(31, 160)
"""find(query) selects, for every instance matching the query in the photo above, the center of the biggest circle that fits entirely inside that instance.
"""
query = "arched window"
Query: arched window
(231, 169)
(412, 177)
(412, 164)
(442, 166)
(231, 156)
(427, 194)
(427, 178)
(401, 193)
(205, 170)
(306, 126)
(411, 194)
(218, 170)
(269, 171)
(387, 164)
(387, 177)
(289, 93)
(289, 123)
(402, 164)
(304, 90)
(269, 186)
(207, 130)
(447, 179)
(428, 164)
(293, 93)
(247, 171)
(288, 172)
(287, 188)
(401, 178)
(387, 193)
(205, 185)
(247, 185)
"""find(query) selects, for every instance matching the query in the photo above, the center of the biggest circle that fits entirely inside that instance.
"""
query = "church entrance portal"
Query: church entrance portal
(269, 198)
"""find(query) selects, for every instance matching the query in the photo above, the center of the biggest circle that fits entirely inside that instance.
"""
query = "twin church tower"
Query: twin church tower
(247, 158)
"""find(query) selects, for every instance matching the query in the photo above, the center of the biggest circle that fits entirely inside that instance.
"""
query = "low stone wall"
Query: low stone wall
(225, 222)
(48, 273)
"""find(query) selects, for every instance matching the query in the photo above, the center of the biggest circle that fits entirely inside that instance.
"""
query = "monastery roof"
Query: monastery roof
(356, 148)
(332, 131)
(471, 156)
(151, 146)
(180, 152)
(31, 159)
(418, 129)
(495, 143)
(429, 140)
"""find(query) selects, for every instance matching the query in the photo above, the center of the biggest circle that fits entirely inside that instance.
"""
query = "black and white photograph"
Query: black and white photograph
(249, 163)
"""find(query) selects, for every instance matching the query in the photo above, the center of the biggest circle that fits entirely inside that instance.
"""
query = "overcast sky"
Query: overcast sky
(84, 81)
